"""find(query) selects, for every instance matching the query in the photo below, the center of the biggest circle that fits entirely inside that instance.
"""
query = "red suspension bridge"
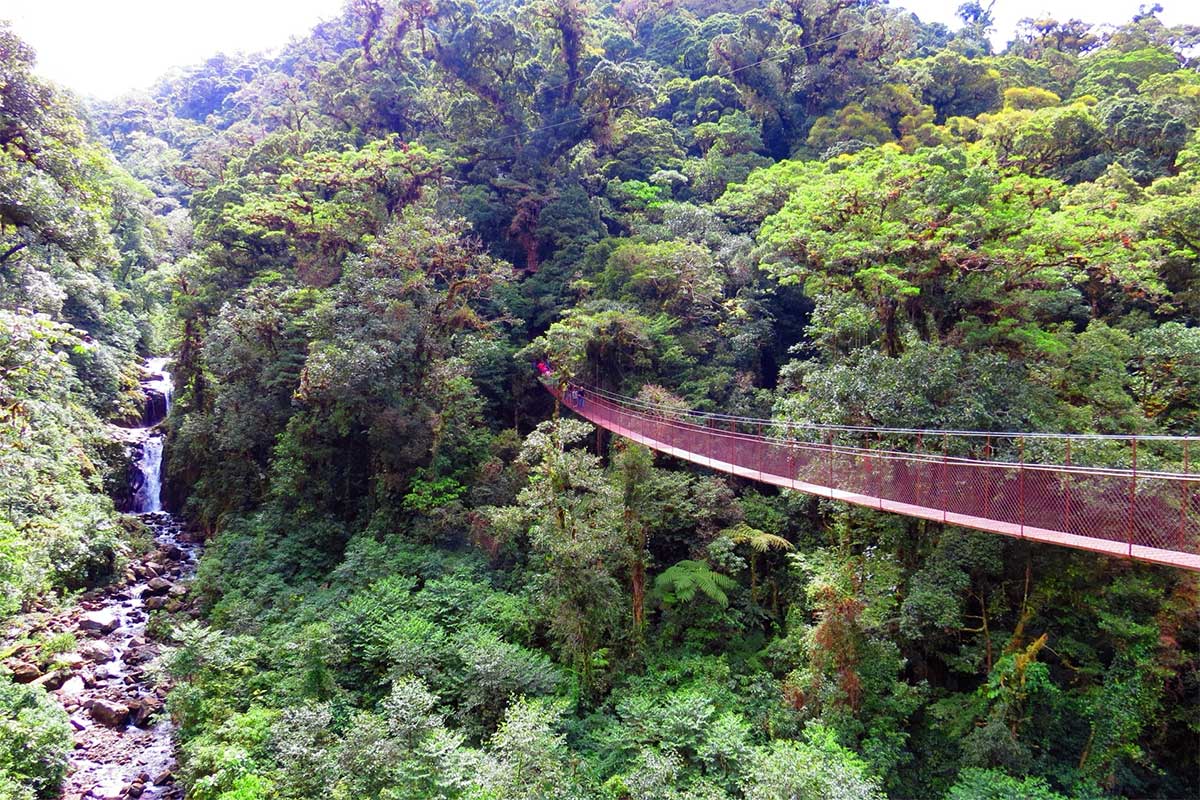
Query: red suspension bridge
(1128, 496)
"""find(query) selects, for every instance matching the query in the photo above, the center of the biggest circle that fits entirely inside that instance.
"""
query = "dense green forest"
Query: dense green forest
(424, 580)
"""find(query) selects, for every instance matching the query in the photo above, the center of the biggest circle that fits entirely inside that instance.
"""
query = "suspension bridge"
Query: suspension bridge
(1128, 496)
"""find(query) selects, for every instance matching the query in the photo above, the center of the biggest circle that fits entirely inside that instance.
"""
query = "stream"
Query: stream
(112, 684)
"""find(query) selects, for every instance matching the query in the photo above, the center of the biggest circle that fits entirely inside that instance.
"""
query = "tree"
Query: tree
(574, 522)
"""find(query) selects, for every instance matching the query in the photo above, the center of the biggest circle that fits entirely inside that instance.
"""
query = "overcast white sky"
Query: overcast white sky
(107, 47)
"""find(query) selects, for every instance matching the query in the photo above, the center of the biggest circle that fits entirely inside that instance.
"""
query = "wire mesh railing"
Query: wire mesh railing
(1126, 495)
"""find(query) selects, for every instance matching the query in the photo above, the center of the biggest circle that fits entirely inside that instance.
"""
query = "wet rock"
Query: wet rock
(72, 687)
(104, 621)
(52, 680)
(138, 655)
(24, 672)
(171, 551)
(99, 651)
(157, 587)
(69, 661)
(142, 709)
(110, 713)
(164, 777)
(111, 790)
(156, 603)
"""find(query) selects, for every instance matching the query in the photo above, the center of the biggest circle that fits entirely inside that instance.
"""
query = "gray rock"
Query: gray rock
(69, 660)
(157, 586)
(73, 687)
(99, 651)
(104, 621)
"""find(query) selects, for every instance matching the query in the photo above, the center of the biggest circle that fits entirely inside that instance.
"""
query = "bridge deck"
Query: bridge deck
(1149, 517)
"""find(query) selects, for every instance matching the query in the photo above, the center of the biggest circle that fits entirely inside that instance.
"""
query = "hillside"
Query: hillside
(423, 578)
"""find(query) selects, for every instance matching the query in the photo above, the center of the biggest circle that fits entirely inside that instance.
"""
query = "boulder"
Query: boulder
(138, 655)
(110, 713)
(69, 660)
(98, 651)
(141, 710)
(104, 621)
(73, 687)
(51, 680)
(156, 603)
(24, 672)
(157, 586)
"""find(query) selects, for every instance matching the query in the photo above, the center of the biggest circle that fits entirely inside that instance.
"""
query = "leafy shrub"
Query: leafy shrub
(991, 784)
(35, 739)
(817, 768)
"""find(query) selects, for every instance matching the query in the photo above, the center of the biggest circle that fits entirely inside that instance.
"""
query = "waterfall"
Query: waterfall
(147, 482)
(149, 495)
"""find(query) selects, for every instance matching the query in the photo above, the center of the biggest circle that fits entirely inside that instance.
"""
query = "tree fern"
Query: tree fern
(759, 541)
(679, 583)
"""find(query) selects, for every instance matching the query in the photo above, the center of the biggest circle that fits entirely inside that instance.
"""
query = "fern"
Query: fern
(759, 541)
(681, 582)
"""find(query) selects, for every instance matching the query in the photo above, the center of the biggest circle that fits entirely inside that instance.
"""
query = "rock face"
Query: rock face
(104, 621)
(110, 713)
(156, 406)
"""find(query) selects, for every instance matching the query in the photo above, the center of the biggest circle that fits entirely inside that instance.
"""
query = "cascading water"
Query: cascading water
(148, 497)
(147, 482)
(132, 755)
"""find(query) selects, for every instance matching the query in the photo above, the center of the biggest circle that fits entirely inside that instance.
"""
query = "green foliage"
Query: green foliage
(816, 767)
(986, 784)
(424, 580)
(680, 583)
(35, 740)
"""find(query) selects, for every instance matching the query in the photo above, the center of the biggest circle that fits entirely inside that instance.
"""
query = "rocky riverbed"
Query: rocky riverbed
(111, 683)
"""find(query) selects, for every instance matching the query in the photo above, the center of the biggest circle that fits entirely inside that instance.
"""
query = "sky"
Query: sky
(104, 48)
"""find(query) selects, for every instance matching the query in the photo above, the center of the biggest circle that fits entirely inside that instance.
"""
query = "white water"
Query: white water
(148, 497)
(160, 380)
